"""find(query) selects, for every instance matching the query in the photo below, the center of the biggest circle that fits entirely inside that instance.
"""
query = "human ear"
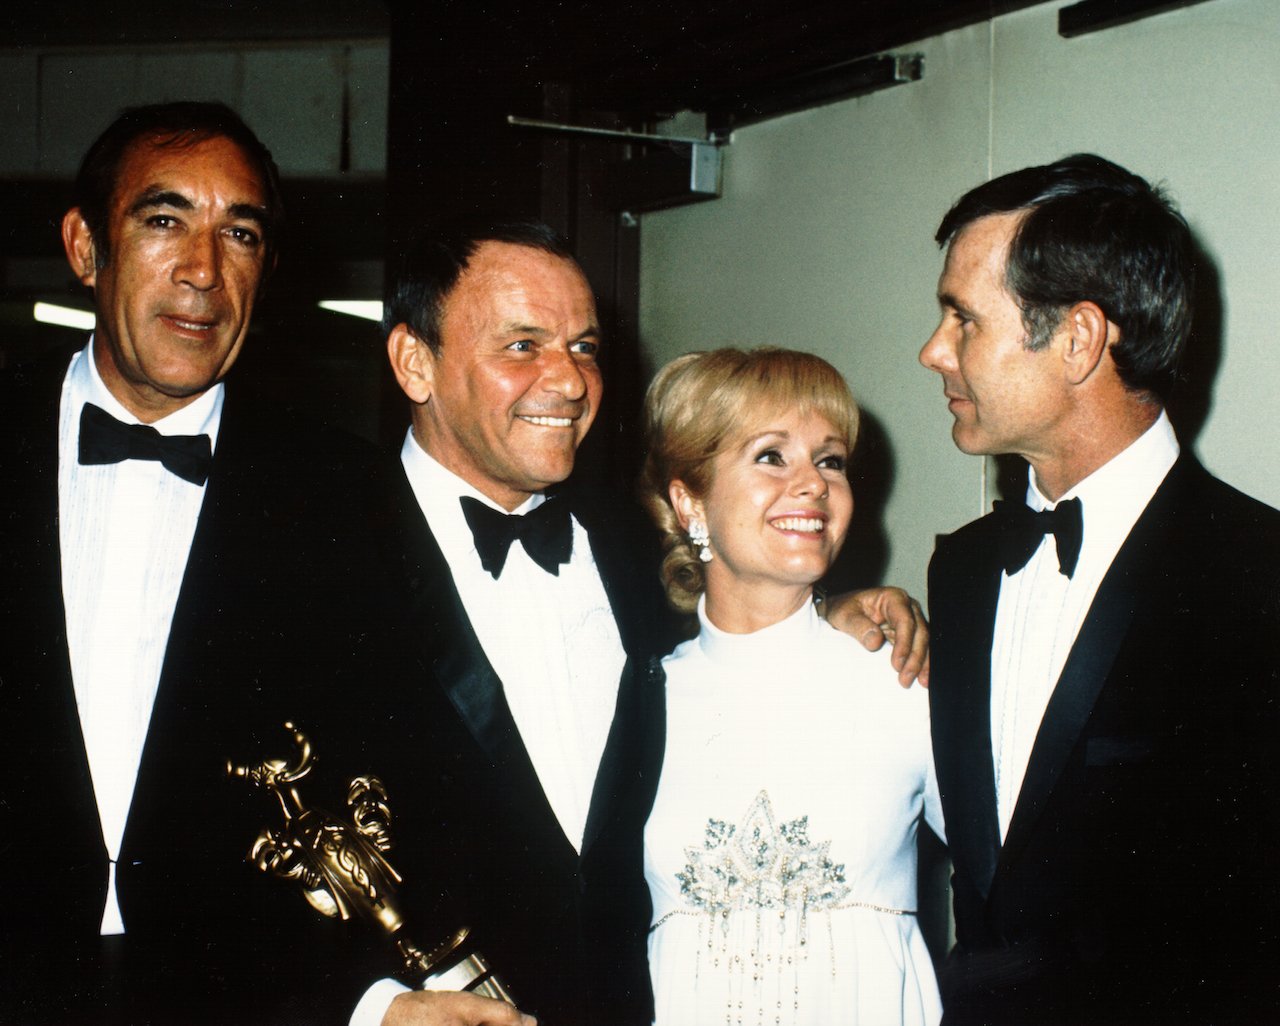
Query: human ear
(1088, 335)
(77, 241)
(686, 505)
(412, 362)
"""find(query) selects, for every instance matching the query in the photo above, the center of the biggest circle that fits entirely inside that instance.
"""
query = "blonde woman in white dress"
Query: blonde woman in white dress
(781, 849)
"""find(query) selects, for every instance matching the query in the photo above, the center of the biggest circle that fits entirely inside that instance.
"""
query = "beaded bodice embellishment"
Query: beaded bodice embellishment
(754, 886)
(761, 864)
(758, 888)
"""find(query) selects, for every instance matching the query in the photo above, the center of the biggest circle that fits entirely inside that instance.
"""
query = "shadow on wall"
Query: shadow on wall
(1192, 399)
(862, 561)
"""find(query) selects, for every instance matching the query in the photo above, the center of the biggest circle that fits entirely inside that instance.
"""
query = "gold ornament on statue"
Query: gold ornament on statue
(343, 870)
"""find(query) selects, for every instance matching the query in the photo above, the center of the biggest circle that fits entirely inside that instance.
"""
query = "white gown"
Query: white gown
(781, 850)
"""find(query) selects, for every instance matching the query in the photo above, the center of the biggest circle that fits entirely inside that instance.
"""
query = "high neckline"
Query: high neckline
(758, 647)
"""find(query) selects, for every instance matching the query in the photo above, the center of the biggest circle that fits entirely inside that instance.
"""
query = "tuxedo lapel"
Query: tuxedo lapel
(35, 551)
(618, 756)
(449, 644)
(45, 765)
(454, 656)
(1125, 588)
(32, 538)
(632, 757)
(637, 733)
(1073, 700)
(962, 705)
(617, 565)
(179, 708)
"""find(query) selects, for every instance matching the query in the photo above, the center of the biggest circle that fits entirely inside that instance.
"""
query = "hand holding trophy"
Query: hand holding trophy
(343, 870)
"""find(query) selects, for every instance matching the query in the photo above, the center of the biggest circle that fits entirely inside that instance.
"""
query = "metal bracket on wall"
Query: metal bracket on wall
(662, 171)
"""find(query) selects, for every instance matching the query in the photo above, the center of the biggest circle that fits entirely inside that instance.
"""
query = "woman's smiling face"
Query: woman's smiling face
(777, 509)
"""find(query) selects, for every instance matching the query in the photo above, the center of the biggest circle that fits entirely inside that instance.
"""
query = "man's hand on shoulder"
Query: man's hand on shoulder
(876, 615)
(452, 1008)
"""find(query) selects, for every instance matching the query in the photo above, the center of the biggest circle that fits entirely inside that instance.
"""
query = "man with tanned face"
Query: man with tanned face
(166, 542)
(525, 595)
(1105, 660)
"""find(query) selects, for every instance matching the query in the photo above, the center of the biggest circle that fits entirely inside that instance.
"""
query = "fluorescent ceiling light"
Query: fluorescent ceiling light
(369, 309)
(65, 316)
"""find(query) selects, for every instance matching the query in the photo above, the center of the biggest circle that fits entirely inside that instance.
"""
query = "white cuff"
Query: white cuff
(377, 999)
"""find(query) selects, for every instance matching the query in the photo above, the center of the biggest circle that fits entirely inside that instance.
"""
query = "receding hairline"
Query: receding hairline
(474, 268)
(470, 273)
(484, 247)
(159, 192)
(949, 299)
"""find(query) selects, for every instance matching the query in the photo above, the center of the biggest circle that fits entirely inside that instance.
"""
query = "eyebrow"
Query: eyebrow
(511, 328)
(949, 299)
(783, 436)
(155, 197)
(250, 212)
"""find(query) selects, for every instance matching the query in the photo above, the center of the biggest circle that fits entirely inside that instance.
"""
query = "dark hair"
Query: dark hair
(182, 123)
(1094, 231)
(434, 263)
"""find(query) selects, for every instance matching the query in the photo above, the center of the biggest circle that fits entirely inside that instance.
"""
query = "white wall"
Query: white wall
(823, 238)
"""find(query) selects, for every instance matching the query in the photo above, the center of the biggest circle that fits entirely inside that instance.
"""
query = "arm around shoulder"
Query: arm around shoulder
(875, 615)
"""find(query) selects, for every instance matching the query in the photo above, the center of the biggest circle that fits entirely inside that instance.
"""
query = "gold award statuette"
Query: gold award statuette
(343, 871)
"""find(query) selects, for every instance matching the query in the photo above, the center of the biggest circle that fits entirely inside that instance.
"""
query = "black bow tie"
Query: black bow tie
(546, 533)
(1022, 529)
(103, 439)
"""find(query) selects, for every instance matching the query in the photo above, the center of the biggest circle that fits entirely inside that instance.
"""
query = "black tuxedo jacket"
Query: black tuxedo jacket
(1137, 882)
(258, 620)
(477, 842)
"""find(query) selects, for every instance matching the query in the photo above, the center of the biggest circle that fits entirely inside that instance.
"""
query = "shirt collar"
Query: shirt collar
(201, 416)
(438, 490)
(1114, 495)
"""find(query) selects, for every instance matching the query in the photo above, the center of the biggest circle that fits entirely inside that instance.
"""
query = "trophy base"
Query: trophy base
(471, 973)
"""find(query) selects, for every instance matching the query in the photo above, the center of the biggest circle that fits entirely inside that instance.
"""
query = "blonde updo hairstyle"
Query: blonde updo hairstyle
(700, 405)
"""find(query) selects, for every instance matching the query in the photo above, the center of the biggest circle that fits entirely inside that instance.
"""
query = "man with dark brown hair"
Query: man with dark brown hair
(168, 543)
(1104, 685)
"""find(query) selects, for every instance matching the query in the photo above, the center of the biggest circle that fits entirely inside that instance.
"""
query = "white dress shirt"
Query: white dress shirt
(125, 532)
(552, 641)
(1040, 610)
